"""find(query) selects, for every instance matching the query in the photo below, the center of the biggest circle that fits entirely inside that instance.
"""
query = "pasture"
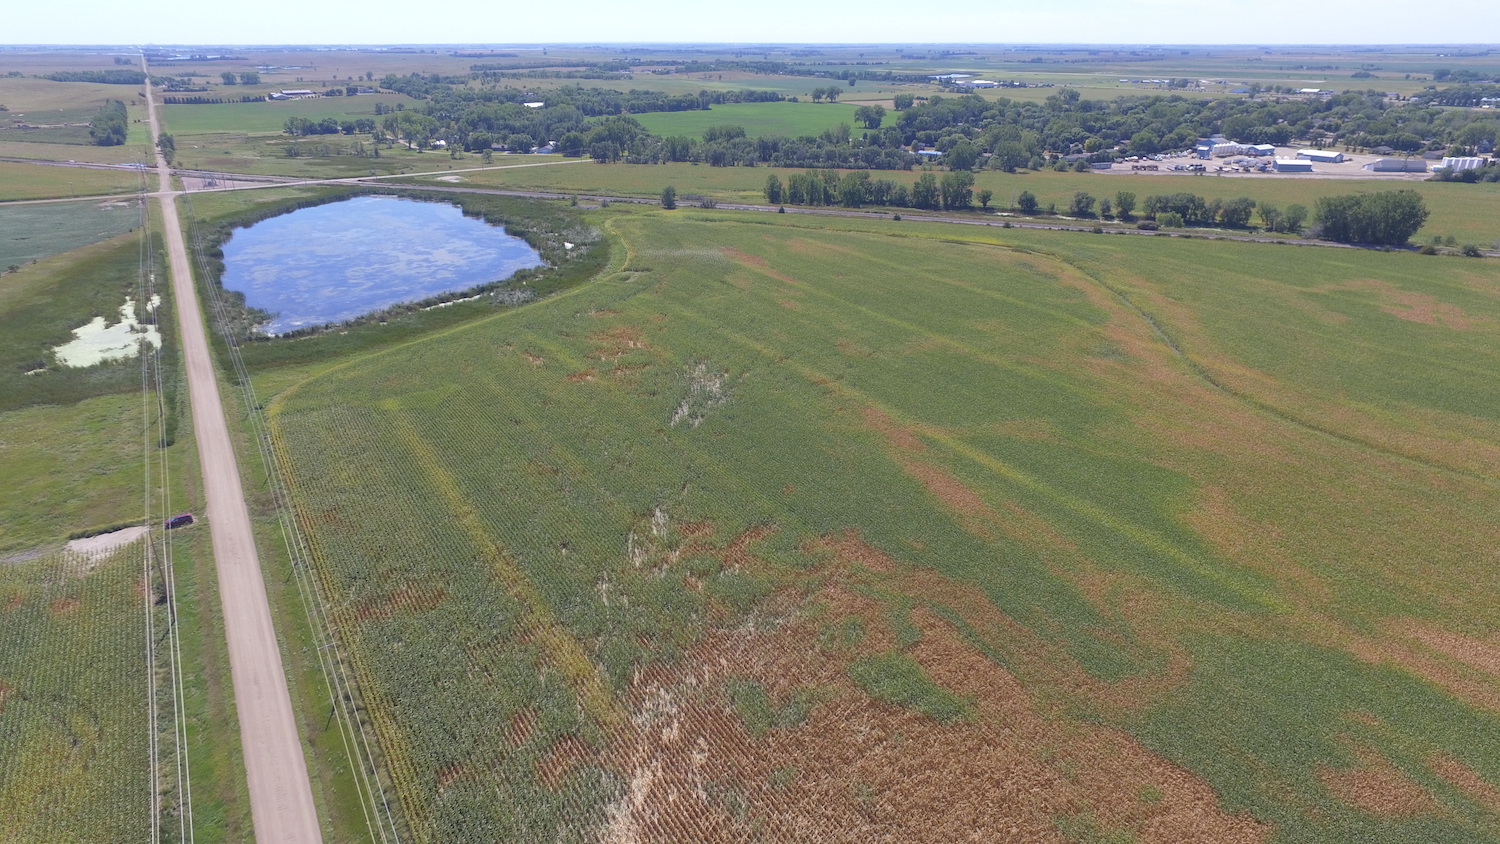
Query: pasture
(785, 533)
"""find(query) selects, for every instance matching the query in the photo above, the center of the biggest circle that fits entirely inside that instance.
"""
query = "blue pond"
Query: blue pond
(337, 261)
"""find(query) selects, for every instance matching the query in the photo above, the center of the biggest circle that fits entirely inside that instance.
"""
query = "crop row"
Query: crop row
(73, 701)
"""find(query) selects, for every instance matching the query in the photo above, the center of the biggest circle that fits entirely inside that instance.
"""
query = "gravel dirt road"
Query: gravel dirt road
(281, 803)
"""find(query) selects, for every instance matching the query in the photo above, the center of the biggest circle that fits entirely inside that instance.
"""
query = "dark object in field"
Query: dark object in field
(180, 520)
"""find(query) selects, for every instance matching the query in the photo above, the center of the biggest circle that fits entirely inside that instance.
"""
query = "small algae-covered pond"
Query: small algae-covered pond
(335, 262)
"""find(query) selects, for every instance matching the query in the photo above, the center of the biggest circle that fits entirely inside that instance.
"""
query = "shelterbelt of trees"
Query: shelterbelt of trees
(967, 130)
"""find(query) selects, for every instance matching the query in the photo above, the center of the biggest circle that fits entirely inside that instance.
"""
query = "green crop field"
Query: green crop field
(33, 232)
(788, 528)
(73, 701)
(269, 117)
(792, 120)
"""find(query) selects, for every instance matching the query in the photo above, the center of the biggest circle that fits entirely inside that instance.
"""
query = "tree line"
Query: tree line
(104, 77)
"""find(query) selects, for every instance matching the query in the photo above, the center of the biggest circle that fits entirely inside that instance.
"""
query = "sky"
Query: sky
(763, 21)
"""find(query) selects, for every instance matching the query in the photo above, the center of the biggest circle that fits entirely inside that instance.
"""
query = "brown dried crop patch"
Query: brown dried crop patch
(1028, 429)
(696, 531)
(606, 312)
(1253, 545)
(13, 601)
(859, 770)
(5, 691)
(849, 548)
(582, 376)
(737, 553)
(790, 304)
(409, 598)
(522, 724)
(895, 434)
(1393, 650)
(567, 753)
(1478, 654)
(760, 264)
(852, 348)
(1464, 778)
(63, 606)
(626, 371)
(1417, 307)
(1039, 661)
(614, 343)
(1103, 767)
(536, 360)
(450, 774)
(974, 512)
(1379, 787)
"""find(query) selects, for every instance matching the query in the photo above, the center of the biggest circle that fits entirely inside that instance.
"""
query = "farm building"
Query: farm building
(1460, 164)
(1293, 165)
(1322, 156)
(1260, 150)
(293, 94)
(977, 83)
(950, 77)
(1397, 165)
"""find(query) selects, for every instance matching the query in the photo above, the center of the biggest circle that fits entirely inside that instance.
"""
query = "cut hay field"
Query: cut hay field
(797, 529)
(792, 120)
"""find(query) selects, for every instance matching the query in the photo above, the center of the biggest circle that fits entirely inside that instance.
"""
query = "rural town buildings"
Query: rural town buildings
(1322, 156)
(1397, 165)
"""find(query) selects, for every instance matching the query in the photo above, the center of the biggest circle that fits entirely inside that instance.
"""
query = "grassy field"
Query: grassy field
(33, 232)
(787, 534)
(45, 181)
(792, 120)
(42, 303)
(126, 154)
(1456, 209)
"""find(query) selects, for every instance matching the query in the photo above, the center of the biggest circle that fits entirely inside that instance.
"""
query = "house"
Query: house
(545, 149)
(1292, 165)
(533, 105)
(1322, 156)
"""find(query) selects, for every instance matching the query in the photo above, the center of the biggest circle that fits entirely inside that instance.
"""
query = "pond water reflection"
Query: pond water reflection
(337, 261)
